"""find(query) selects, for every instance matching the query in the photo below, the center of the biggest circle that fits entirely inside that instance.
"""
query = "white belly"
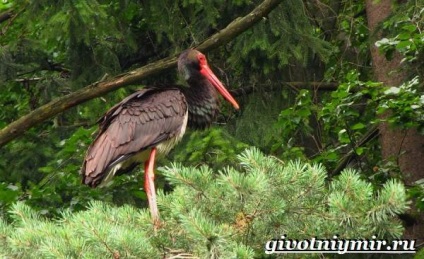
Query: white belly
(164, 147)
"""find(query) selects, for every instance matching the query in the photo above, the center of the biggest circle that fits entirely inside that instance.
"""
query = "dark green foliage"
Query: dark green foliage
(293, 123)
(405, 103)
(343, 119)
(403, 33)
(253, 124)
(417, 192)
(287, 35)
(346, 116)
(333, 126)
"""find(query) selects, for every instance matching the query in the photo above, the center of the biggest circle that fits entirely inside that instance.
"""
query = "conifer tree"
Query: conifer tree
(225, 214)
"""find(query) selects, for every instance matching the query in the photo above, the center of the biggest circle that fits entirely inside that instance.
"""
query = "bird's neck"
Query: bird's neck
(202, 100)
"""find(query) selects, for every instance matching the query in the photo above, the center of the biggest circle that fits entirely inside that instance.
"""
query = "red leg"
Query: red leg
(149, 186)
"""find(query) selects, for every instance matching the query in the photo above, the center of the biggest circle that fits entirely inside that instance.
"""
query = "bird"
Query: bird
(150, 122)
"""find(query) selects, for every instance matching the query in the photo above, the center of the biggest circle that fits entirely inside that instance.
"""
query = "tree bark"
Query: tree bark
(406, 146)
(5, 16)
(47, 111)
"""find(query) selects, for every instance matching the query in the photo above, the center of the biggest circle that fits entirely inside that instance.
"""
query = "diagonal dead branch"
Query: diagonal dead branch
(5, 16)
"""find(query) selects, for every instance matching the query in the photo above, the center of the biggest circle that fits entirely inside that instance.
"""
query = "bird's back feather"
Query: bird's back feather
(139, 122)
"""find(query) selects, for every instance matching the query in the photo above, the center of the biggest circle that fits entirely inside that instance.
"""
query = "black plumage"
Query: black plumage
(139, 122)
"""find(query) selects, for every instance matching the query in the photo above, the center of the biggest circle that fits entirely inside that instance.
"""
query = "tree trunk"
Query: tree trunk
(405, 146)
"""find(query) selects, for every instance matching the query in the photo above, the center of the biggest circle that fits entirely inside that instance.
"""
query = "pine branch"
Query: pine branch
(96, 89)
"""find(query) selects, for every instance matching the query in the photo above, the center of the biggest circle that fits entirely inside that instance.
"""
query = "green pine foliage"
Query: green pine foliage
(215, 215)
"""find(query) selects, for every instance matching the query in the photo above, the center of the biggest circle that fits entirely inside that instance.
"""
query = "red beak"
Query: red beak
(207, 72)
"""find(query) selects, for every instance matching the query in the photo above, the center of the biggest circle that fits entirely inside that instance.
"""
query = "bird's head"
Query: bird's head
(192, 63)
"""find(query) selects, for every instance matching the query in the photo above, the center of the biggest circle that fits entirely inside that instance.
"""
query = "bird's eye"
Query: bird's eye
(202, 59)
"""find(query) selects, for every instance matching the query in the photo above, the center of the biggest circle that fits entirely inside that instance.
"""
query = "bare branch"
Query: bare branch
(5, 16)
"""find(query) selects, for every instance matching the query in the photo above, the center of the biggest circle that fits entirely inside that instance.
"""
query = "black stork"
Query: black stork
(153, 120)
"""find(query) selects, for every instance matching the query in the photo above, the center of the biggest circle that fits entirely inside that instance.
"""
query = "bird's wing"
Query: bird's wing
(140, 121)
